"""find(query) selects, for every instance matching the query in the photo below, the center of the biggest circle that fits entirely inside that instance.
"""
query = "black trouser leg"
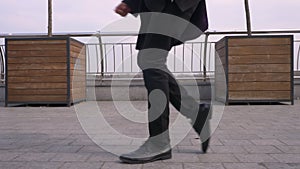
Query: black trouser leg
(152, 62)
(156, 82)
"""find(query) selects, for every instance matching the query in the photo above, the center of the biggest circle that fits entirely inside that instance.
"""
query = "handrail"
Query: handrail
(85, 34)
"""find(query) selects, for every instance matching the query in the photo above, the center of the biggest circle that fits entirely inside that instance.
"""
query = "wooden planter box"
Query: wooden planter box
(45, 71)
(257, 69)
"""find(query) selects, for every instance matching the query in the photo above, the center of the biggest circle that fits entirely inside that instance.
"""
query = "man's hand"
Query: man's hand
(122, 9)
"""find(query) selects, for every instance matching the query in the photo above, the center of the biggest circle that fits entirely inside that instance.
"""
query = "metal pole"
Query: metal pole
(49, 18)
(205, 56)
(248, 18)
(101, 55)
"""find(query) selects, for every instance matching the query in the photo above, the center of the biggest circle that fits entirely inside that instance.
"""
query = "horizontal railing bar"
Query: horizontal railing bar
(84, 34)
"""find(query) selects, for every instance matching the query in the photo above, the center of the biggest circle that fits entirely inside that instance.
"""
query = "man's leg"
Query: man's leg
(156, 78)
(190, 108)
(157, 147)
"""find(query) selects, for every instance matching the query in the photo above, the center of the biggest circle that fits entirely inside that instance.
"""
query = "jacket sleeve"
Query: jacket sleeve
(133, 4)
(186, 4)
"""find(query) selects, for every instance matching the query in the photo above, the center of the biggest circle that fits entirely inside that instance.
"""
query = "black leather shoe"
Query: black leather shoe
(148, 152)
(202, 125)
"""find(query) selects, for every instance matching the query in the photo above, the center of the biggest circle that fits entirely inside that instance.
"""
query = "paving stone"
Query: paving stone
(41, 165)
(290, 149)
(102, 157)
(162, 165)
(203, 166)
(68, 157)
(228, 149)
(83, 141)
(82, 165)
(63, 149)
(11, 165)
(255, 158)
(32, 149)
(236, 142)
(264, 142)
(291, 142)
(287, 158)
(243, 166)
(35, 157)
(217, 158)
(8, 156)
(183, 157)
(118, 165)
(91, 149)
(278, 166)
(262, 149)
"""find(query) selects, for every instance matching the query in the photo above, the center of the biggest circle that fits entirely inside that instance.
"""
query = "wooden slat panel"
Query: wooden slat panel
(259, 77)
(77, 50)
(76, 43)
(79, 67)
(17, 42)
(43, 66)
(37, 86)
(37, 47)
(36, 73)
(41, 53)
(37, 91)
(260, 50)
(261, 68)
(78, 84)
(30, 60)
(259, 86)
(44, 79)
(37, 98)
(77, 73)
(79, 91)
(258, 41)
(253, 59)
(74, 60)
(259, 95)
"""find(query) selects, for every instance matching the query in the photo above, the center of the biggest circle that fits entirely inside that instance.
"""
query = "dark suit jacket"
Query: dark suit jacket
(196, 9)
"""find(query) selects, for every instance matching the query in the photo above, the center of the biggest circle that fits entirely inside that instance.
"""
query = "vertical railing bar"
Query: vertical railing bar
(114, 59)
(209, 57)
(183, 50)
(131, 59)
(205, 53)
(88, 59)
(174, 67)
(101, 56)
(105, 58)
(298, 55)
(122, 50)
(97, 59)
(201, 56)
(192, 58)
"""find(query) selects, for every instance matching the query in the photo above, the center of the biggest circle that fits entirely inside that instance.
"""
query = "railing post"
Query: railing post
(205, 56)
(298, 55)
(101, 54)
(2, 62)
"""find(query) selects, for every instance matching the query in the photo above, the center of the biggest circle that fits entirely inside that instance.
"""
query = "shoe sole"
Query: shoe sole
(164, 156)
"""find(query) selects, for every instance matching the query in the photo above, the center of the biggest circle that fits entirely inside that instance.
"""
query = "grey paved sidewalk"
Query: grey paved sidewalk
(254, 137)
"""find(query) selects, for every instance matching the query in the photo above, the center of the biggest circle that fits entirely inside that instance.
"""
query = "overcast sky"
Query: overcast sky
(30, 16)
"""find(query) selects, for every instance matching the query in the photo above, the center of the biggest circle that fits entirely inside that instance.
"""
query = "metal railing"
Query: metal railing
(120, 58)
(108, 58)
